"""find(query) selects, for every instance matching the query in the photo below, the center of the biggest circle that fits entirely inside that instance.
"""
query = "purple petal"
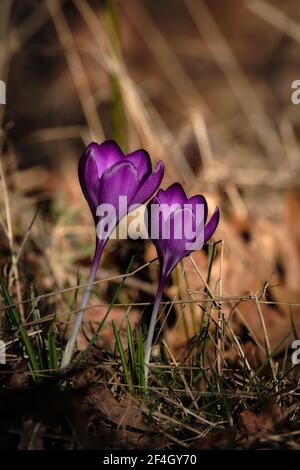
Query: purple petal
(141, 160)
(178, 246)
(182, 231)
(149, 186)
(105, 155)
(211, 225)
(199, 199)
(92, 164)
(121, 179)
(89, 179)
(188, 224)
(174, 194)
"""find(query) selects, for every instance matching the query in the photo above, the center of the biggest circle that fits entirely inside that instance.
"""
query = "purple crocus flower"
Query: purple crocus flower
(106, 175)
(177, 226)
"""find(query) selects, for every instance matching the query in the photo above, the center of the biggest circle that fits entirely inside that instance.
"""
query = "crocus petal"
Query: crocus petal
(121, 179)
(211, 225)
(149, 186)
(198, 199)
(89, 179)
(165, 228)
(154, 226)
(177, 247)
(173, 195)
(141, 160)
(92, 165)
(189, 227)
(106, 154)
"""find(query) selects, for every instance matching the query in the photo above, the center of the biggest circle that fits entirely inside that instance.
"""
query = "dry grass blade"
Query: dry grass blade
(275, 17)
(240, 86)
(77, 70)
(21, 34)
(267, 341)
(10, 235)
(147, 120)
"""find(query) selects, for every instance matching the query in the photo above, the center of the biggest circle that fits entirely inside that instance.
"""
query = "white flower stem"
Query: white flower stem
(148, 345)
(68, 352)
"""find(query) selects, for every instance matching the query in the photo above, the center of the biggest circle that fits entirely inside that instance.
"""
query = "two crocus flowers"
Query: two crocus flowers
(114, 184)
(105, 175)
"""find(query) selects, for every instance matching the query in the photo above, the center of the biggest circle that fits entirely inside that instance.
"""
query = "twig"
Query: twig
(10, 236)
(266, 337)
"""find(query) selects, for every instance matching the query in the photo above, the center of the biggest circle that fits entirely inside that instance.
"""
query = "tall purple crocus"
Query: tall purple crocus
(107, 176)
(177, 226)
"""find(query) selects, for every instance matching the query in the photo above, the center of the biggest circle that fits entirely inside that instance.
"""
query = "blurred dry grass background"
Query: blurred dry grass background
(203, 85)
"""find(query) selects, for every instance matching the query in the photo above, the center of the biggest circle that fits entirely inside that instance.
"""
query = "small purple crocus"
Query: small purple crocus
(106, 175)
(177, 226)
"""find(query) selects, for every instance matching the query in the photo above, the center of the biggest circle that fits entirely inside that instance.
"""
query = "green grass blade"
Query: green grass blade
(210, 256)
(192, 307)
(40, 343)
(141, 361)
(15, 319)
(122, 355)
(131, 352)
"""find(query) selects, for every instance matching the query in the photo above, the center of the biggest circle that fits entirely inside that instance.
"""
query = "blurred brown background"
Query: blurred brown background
(228, 63)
